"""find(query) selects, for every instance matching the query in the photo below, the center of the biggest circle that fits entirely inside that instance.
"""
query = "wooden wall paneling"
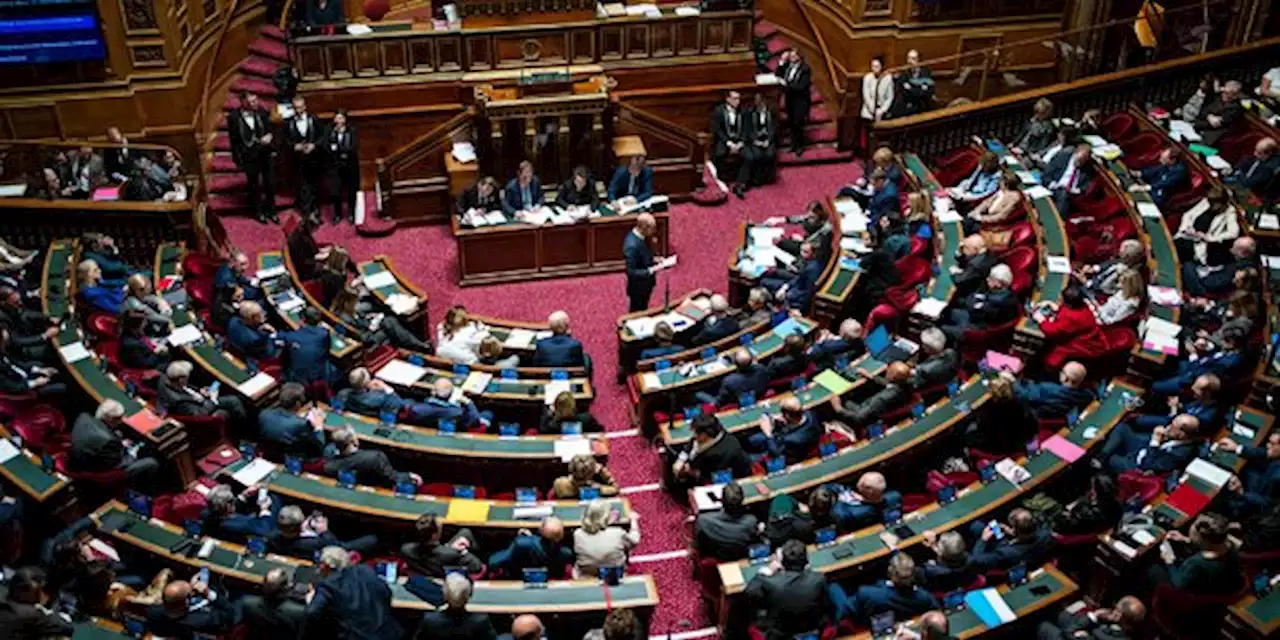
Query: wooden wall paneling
(612, 43)
(395, 57)
(664, 39)
(479, 52)
(637, 41)
(309, 60)
(741, 34)
(384, 99)
(90, 118)
(449, 53)
(582, 46)
(34, 122)
(366, 61)
(384, 133)
(673, 78)
(688, 38)
(424, 54)
(715, 37)
(339, 61)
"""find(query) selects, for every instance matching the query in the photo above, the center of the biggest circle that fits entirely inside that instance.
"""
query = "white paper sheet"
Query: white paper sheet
(74, 352)
(649, 380)
(402, 373)
(1164, 296)
(273, 272)
(1037, 192)
(1269, 221)
(359, 29)
(254, 472)
(13, 190)
(554, 388)
(567, 448)
(8, 451)
(477, 382)
(707, 498)
(856, 245)
(1216, 162)
(948, 217)
(931, 307)
(1271, 262)
(1058, 264)
(253, 386)
(1149, 210)
(401, 304)
(641, 327)
(764, 236)
(186, 334)
(1095, 141)
(379, 280)
(532, 513)
(463, 152)
(762, 79)
(688, 11)
(1208, 472)
(1027, 177)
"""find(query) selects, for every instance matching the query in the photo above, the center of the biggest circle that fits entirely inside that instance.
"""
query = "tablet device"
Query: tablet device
(508, 429)
(526, 494)
(447, 427)
(406, 489)
(293, 464)
(746, 400)
(571, 428)
(588, 493)
(947, 494)
(825, 535)
(559, 374)
(508, 374)
(882, 624)
(535, 577)
(464, 491)
(346, 479)
(724, 476)
(953, 601)
(758, 553)
(1017, 574)
(776, 465)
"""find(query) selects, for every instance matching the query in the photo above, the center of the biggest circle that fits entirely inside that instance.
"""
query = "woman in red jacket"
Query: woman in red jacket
(1071, 332)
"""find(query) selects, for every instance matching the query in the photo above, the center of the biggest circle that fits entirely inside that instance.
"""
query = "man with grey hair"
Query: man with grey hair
(235, 518)
(454, 622)
(301, 536)
(281, 609)
(1104, 278)
(96, 447)
(899, 594)
(952, 569)
(990, 306)
(250, 334)
(560, 349)
(936, 363)
(1221, 115)
(718, 324)
(370, 466)
(286, 427)
(830, 347)
(442, 406)
(1125, 620)
(351, 601)
(176, 396)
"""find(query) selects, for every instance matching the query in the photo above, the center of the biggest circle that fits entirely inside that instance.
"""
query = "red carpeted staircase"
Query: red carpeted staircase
(821, 130)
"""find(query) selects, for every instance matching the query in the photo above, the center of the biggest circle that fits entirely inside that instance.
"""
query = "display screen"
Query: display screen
(45, 31)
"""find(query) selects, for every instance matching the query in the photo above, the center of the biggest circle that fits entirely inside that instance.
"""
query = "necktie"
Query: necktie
(631, 186)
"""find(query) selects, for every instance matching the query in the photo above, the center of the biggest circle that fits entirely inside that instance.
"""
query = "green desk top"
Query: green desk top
(743, 419)
(27, 473)
(764, 345)
(340, 345)
(1263, 614)
(93, 630)
(507, 389)
(1053, 235)
(940, 286)
(867, 453)
(374, 267)
(383, 503)
(973, 502)
(464, 445)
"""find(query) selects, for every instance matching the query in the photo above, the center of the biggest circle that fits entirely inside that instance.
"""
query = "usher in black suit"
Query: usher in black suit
(254, 157)
(305, 129)
(342, 147)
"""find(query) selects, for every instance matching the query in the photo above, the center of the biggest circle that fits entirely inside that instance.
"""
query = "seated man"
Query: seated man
(97, 448)
(1023, 542)
(20, 377)
(936, 363)
(441, 406)
(1252, 491)
(176, 396)
(1165, 450)
(635, 180)
(1166, 176)
(1069, 176)
(789, 519)
(1225, 363)
(281, 609)
(799, 288)
(980, 184)
(899, 594)
(233, 273)
(1203, 281)
(952, 569)
(1202, 403)
(867, 505)
(791, 361)
(748, 377)
(713, 450)
(295, 435)
(227, 516)
(719, 323)
(973, 264)
(578, 191)
(560, 350)
(369, 396)
(180, 616)
(663, 339)
(29, 330)
(1213, 566)
(1258, 171)
(523, 192)
(454, 621)
(353, 600)
(546, 550)
(370, 467)
(815, 223)
(726, 535)
(790, 594)
(791, 435)
(306, 351)
(895, 392)
(26, 611)
(878, 198)
(992, 306)
(1122, 622)
(250, 335)
(831, 347)
(430, 555)
(1220, 115)
(301, 536)
(1052, 400)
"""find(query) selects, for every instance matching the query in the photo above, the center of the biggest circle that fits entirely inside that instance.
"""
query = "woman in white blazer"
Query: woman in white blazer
(1207, 230)
(877, 92)
(458, 337)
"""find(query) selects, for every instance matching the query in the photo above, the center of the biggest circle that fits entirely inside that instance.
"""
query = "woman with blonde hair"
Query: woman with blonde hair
(1039, 132)
(458, 337)
(564, 411)
(376, 328)
(584, 472)
(883, 158)
(1126, 302)
(490, 352)
(597, 543)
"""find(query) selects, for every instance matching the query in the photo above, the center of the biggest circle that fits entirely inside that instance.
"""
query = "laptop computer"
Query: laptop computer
(884, 348)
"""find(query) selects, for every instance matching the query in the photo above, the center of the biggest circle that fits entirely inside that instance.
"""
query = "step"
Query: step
(221, 142)
(776, 45)
(818, 154)
(813, 133)
(273, 32)
(223, 163)
(233, 102)
(235, 202)
(817, 114)
(260, 86)
(273, 49)
(765, 29)
(226, 182)
(260, 67)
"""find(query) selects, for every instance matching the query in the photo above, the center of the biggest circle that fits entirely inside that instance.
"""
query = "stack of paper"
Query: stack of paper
(359, 29)
(8, 451)
(833, 382)
(464, 152)
(1183, 131)
(555, 388)
(1037, 192)
(990, 607)
(532, 514)
(855, 245)
(931, 307)
(1108, 151)
(612, 9)
(763, 79)
(1149, 210)
(401, 304)
(1164, 296)
(567, 448)
(476, 382)
(1271, 262)
(1216, 162)
(1160, 335)
(641, 327)
(255, 385)
(399, 372)
(16, 190)
(290, 302)
(707, 497)
(1208, 472)
(1012, 471)
(495, 217)
(254, 472)
(1027, 177)
(1095, 141)
(688, 11)
(1269, 221)
(74, 352)
(273, 272)
(186, 334)
(379, 280)
(519, 339)
(760, 235)
(650, 380)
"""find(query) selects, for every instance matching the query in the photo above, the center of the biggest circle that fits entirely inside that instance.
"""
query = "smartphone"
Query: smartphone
(213, 388)
(262, 495)
(996, 531)
(1040, 591)
(204, 575)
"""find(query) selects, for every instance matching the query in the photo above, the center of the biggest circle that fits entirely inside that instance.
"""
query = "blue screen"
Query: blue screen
(44, 31)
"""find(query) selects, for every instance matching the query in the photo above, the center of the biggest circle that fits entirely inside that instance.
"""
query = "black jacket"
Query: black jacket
(451, 624)
(725, 132)
(793, 601)
(569, 195)
(313, 135)
(276, 617)
(470, 199)
(724, 537)
(343, 147)
(94, 446)
(246, 140)
(973, 273)
(725, 454)
(181, 402)
(20, 621)
(370, 467)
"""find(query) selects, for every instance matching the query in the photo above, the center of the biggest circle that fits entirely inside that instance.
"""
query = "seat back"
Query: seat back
(1022, 260)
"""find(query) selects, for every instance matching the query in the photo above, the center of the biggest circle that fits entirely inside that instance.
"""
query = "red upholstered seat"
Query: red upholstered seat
(1186, 197)
(953, 167)
(881, 314)
(1022, 283)
(106, 482)
(920, 247)
(198, 266)
(1142, 144)
(1022, 235)
(12, 404)
(201, 291)
(914, 271)
(1178, 614)
(104, 326)
(1022, 260)
(42, 427)
(1134, 485)
(1119, 127)
(976, 342)
(314, 289)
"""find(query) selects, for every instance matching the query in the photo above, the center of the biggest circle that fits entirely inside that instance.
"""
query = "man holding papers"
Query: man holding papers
(641, 266)
(719, 324)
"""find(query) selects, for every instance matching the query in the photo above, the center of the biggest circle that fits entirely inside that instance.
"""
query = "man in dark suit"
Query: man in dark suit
(454, 622)
(1251, 491)
(729, 128)
(177, 397)
(281, 609)
(21, 616)
(1217, 119)
(718, 324)
(352, 601)
(787, 518)
(306, 350)
(796, 77)
(249, 128)
(1258, 172)
(29, 330)
(440, 406)
(1164, 450)
(899, 594)
(727, 534)
(937, 363)
(97, 448)
(663, 343)
(20, 377)
(749, 377)
(1164, 177)
(914, 88)
(893, 394)
(994, 305)
(302, 134)
(634, 180)
(1024, 542)
(866, 505)
(791, 595)
(177, 615)
(544, 550)
(974, 262)
(228, 516)
(879, 198)
(301, 536)
(642, 269)
(1204, 281)
(762, 141)
(560, 350)
(344, 157)
(523, 192)
(1069, 175)
(1050, 400)
(793, 434)
(250, 335)
(117, 161)
(370, 467)
(800, 289)
(829, 348)
(578, 191)
(295, 435)
(713, 450)
(430, 556)
(1225, 363)
(1123, 622)
(232, 274)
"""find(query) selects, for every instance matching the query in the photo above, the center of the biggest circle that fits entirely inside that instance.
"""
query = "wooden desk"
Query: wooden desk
(57, 292)
(418, 321)
(102, 629)
(26, 472)
(341, 347)
(1254, 618)
(692, 305)
(526, 393)
(519, 251)
(946, 242)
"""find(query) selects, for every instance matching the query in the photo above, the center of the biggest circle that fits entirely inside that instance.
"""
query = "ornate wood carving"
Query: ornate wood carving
(877, 8)
(151, 55)
(139, 15)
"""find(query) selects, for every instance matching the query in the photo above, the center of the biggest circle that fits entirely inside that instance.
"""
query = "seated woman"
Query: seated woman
(1124, 304)
(996, 209)
(584, 471)
(1212, 567)
(890, 235)
(596, 544)
(142, 301)
(102, 295)
(458, 337)
(137, 350)
(980, 184)
(1071, 331)
(578, 191)
(491, 354)
(333, 275)
(1039, 132)
(378, 328)
(1207, 230)
(483, 197)
(919, 215)
(564, 410)
(1240, 313)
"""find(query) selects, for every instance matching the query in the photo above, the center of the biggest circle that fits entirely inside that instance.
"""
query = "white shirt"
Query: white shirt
(304, 124)
(464, 346)
(732, 117)
(248, 118)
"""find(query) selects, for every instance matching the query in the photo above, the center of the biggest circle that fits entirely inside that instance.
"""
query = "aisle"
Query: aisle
(703, 237)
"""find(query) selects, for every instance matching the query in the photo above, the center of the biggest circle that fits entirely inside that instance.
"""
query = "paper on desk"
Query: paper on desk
(554, 388)
(846, 206)
(273, 272)
(290, 303)
(1271, 262)
(567, 448)
(13, 190)
(853, 222)
(495, 217)
(1063, 448)
(1027, 177)
(1183, 131)
(948, 216)
(519, 338)
(74, 352)
(254, 472)
(1108, 151)
(255, 385)
(401, 304)
(1208, 472)
(1095, 141)
(931, 307)
(761, 235)
(763, 79)
(1216, 162)
(1012, 471)
(477, 382)
(856, 245)
(467, 510)
(1058, 264)
(532, 513)
(1164, 296)
(463, 152)
(990, 607)
(379, 280)
(8, 451)
(688, 11)
(641, 327)
(1269, 221)
(186, 334)
(1149, 210)
(1037, 192)
(402, 373)
(650, 380)
(833, 382)
(707, 497)
(359, 29)
(1160, 335)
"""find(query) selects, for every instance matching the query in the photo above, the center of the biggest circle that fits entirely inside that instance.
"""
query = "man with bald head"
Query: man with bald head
(792, 434)
(830, 347)
(544, 550)
(1257, 172)
(1024, 541)
(441, 406)
(719, 323)
(281, 610)
(1121, 622)
(1051, 400)
(933, 625)
(894, 393)
(235, 273)
(525, 627)
(865, 505)
(559, 350)
(1205, 281)
(748, 377)
(641, 266)
(180, 613)
(972, 264)
(1164, 450)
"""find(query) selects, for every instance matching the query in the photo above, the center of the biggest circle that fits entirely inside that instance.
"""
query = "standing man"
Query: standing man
(762, 132)
(915, 87)
(641, 268)
(251, 138)
(344, 154)
(796, 80)
(304, 137)
(730, 140)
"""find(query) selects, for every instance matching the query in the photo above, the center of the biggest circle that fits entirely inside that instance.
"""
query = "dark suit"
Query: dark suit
(891, 397)
(714, 328)
(532, 552)
(513, 196)
(753, 378)
(431, 560)
(306, 354)
(181, 401)
(622, 184)
(255, 158)
(291, 432)
(305, 129)
(214, 619)
(371, 467)
(1164, 180)
(724, 537)
(660, 351)
(937, 369)
(725, 131)
(724, 454)
(796, 79)
(825, 354)
(1230, 112)
(980, 310)
(570, 195)
(791, 440)
(355, 604)
(452, 624)
(117, 161)
(433, 410)
(343, 148)
(135, 352)
(1046, 400)
(470, 199)
(95, 446)
(370, 402)
(1078, 183)
(1203, 281)
(762, 144)
(1002, 554)
(559, 351)
(19, 621)
(1070, 626)
(1257, 175)
(112, 265)
(1224, 364)
(640, 283)
(250, 342)
(793, 601)
(804, 285)
(879, 597)
(276, 617)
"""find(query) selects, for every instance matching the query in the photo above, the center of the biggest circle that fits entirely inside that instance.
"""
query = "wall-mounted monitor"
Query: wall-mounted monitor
(50, 31)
